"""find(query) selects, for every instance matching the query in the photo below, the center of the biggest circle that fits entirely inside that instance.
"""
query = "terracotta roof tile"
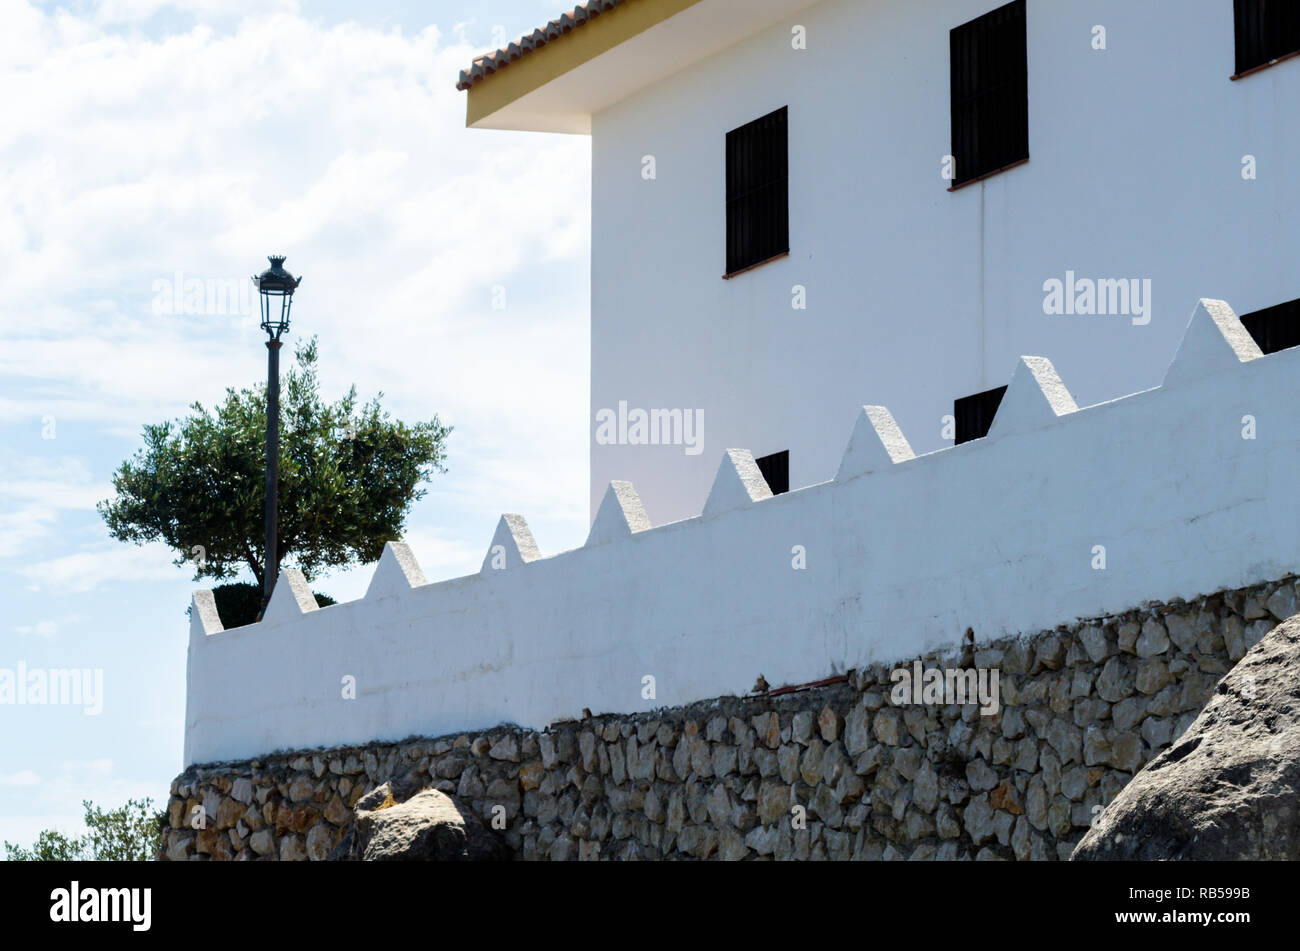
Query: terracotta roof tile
(489, 63)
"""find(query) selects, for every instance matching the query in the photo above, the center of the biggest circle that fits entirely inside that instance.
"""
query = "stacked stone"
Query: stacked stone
(837, 772)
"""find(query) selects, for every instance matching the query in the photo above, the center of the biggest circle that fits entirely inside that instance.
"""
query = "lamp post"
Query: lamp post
(275, 286)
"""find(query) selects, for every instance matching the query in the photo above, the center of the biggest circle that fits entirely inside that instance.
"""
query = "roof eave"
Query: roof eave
(522, 93)
(559, 86)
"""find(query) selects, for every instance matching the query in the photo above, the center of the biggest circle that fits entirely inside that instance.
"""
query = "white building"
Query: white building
(1147, 163)
(1140, 148)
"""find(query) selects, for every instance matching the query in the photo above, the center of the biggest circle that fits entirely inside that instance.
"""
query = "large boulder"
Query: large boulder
(429, 826)
(1226, 789)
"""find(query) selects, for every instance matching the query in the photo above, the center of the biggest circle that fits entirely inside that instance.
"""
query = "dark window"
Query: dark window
(975, 414)
(1266, 30)
(758, 184)
(776, 470)
(1275, 328)
(990, 92)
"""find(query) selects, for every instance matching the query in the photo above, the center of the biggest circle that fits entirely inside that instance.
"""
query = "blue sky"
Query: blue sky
(145, 139)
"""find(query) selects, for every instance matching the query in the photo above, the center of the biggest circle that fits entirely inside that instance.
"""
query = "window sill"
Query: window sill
(1262, 66)
(996, 171)
(743, 270)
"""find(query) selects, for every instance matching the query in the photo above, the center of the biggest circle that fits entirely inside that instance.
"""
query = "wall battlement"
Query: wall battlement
(1060, 513)
(1085, 707)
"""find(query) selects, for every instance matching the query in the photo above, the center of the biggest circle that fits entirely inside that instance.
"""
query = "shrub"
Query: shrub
(239, 602)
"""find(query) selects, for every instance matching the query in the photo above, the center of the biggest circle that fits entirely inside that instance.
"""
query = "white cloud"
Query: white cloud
(50, 627)
(22, 526)
(344, 149)
(136, 11)
(19, 780)
(39, 489)
(57, 483)
(101, 766)
(439, 555)
(99, 565)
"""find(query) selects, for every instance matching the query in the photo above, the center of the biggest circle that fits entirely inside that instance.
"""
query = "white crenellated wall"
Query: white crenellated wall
(903, 553)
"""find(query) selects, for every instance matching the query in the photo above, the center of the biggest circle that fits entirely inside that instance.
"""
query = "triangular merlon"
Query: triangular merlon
(620, 515)
(1215, 340)
(512, 545)
(396, 573)
(204, 619)
(1034, 397)
(291, 597)
(738, 483)
(876, 443)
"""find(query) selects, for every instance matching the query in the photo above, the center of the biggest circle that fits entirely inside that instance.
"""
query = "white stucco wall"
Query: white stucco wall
(917, 295)
(903, 554)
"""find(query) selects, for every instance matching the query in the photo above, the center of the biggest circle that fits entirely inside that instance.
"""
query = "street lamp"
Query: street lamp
(275, 285)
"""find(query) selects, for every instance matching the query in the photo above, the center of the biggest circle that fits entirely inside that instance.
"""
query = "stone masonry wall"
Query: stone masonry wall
(1083, 707)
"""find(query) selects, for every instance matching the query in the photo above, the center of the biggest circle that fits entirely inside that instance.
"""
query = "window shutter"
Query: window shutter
(974, 414)
(1266, 30)
(990, 92)
(776, 470)
(1275, 328)
(758, 179)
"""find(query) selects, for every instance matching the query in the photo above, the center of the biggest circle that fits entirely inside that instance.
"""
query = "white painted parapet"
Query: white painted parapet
(396, 574)
(621, 515)
(895, 557)
(876, 443)
(512, 546)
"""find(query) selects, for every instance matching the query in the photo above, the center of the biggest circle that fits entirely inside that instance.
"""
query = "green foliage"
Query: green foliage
(51, 846)
(348, 474)
(131, 833)
(239, 602)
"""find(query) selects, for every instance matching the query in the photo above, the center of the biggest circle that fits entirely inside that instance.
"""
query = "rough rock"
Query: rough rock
(1227, 789)
(429, 826)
